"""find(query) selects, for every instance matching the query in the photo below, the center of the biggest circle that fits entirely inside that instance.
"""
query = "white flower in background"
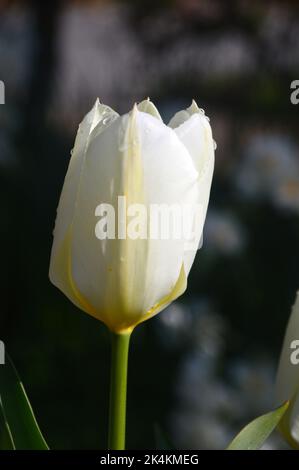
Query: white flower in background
(287, 194)
(269, 169)
(122, 282)
(224, 233)
(287, 386)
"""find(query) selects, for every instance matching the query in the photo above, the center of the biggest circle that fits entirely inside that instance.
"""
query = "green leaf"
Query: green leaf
(5, 437)
(19, 420)
(255, 433)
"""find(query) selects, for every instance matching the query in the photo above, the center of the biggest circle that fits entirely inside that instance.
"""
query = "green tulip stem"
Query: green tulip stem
(118, 390)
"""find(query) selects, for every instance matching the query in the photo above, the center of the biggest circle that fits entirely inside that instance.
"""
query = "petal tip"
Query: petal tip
(134, 111)
(193, 108)
(148, 107)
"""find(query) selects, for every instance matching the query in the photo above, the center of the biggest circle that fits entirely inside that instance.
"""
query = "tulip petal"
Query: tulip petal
(169, 178)
(181, 116)
(65, 212)
(100, 267)
(146, 106)
(66, 209)
(178, 289)
(194, 131)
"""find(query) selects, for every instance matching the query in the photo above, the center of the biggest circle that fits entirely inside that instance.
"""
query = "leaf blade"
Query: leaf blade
(6, 440)
(17, 411)
(254, 434)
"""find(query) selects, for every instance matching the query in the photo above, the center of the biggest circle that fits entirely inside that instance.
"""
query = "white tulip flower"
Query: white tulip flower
(287, 386)
(119, 279)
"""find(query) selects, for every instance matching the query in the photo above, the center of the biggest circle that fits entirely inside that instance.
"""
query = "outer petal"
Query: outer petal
(287, 382)
(169, 178)
(181, 116)
(146, 106)
(59, 274)
(193, 129)
(102, 269)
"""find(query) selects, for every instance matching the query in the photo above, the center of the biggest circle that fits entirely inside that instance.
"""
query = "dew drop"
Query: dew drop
(107, 120)
(207, 118)
(215, 144)
(202, 111)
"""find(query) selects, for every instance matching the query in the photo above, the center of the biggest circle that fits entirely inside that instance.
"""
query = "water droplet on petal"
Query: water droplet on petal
(107, 120)
(202, 111)
(215, 144)
(123, 147)
(207, 118)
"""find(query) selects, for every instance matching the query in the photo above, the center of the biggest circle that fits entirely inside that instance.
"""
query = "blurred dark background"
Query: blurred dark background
(204, 367)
